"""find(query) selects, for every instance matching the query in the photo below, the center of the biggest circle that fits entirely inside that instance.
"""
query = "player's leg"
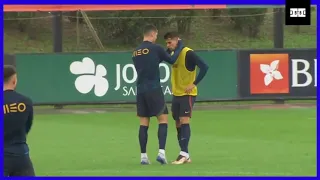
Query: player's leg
(186, 107)
(175, 110)
(158, 108)
(178, 127)
(143, 139)
(178, 103)
(162, 137)
(142, 113)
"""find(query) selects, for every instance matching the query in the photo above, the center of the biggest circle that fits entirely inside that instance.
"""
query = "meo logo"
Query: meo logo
(14, 107)
(297, 12)
(269, 73)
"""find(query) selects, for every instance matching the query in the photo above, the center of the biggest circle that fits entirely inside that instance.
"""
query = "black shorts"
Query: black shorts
(182, 106)
(18, 166)
(151, 103)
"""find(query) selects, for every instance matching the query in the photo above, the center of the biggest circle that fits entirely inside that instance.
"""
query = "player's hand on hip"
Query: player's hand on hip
(189, 88)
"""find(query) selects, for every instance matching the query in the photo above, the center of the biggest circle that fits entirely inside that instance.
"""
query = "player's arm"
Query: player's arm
(30, 116)
(194, 60)
(164, 56)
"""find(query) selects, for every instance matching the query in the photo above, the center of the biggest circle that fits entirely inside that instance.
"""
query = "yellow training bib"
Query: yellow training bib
(181, 77)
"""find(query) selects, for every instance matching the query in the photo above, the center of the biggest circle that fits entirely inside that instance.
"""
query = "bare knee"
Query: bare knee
(184, 120)
(178, 124)
(163, 119)
(144, 121)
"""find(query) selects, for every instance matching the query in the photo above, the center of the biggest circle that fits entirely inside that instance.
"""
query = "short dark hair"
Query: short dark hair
(8, 72)
(149, 28)
(171, 35)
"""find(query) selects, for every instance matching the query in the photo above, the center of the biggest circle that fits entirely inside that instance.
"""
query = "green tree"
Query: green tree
(248, 20)
(184, 20)
(20, 20)
(126, 26)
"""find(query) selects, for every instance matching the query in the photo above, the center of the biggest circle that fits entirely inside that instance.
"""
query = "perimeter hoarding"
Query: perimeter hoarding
(277, 73)
(110, 77)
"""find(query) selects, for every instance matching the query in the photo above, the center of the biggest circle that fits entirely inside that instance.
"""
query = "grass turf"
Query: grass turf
(223, 143)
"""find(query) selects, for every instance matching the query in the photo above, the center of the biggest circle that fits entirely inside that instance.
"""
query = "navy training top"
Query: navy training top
(146, 59)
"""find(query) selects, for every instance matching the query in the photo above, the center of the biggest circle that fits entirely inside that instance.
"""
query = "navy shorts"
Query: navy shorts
(182, 106)
(151, 103)
(18, 166)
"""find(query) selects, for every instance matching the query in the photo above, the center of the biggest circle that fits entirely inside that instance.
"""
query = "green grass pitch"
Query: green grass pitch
(277, 142)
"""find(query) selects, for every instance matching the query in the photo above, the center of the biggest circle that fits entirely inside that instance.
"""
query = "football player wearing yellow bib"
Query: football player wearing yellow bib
(184, 80)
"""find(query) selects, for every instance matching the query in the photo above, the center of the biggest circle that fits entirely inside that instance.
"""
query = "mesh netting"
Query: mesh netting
(121, 30)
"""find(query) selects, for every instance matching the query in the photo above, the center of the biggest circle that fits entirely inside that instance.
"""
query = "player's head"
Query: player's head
(172, 39)
(10, 77)
(150, 33)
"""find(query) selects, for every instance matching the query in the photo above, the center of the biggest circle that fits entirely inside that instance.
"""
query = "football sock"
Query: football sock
(143, 138)
(162, 135)
(185, 137)
(184, 154)
(144, 156)
(162, 151)
(179, 137)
